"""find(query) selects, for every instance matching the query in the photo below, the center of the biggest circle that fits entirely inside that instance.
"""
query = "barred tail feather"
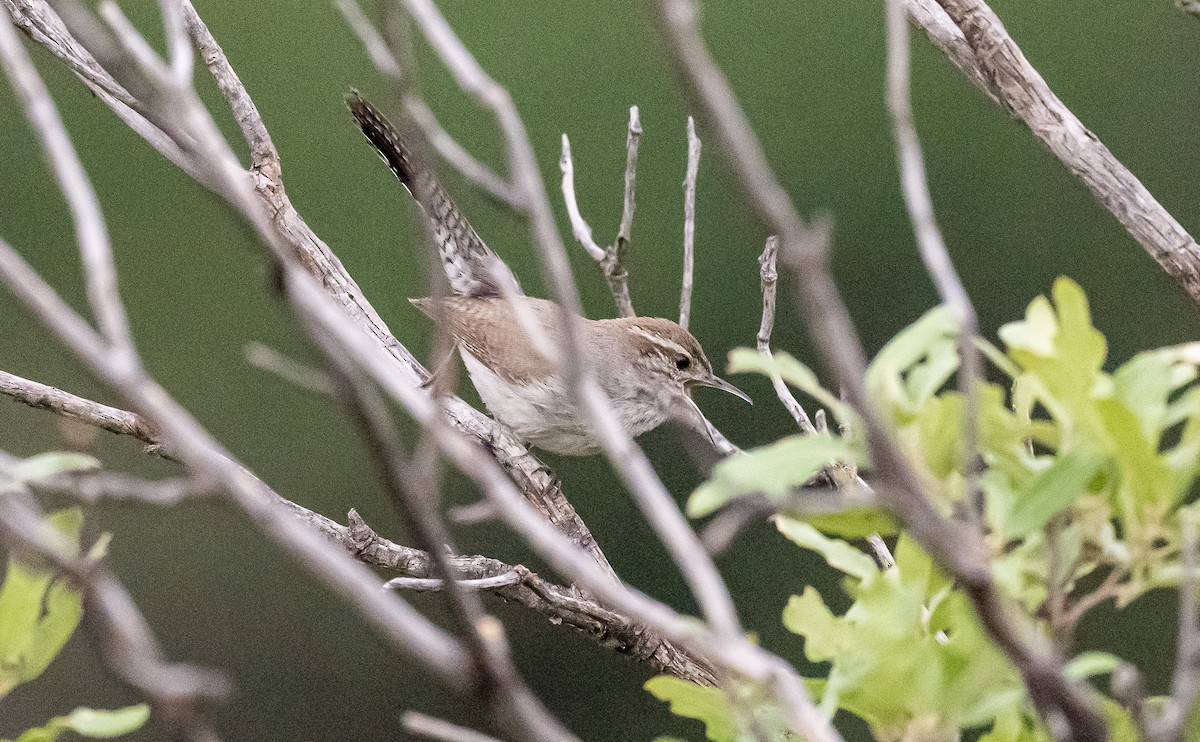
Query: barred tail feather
(471, 267)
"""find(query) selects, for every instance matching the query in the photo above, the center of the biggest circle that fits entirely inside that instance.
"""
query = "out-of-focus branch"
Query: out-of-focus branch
(104, 485)
(689, 224)
(999, 61)
(1185, 681)
(179, 695)
(443, 731)
(932, 247)
(805, 248)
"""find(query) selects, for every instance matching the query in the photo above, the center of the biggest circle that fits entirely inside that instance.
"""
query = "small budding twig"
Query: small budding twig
(689, 224)
(769, 277)
(612, 258)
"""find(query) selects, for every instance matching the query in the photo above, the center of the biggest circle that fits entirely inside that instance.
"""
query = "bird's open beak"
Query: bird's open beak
(716, 382)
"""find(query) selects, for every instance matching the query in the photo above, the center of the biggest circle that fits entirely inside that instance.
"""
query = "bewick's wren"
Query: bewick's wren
(647, 366)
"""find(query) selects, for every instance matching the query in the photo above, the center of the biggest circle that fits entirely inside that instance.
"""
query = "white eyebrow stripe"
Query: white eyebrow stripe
(669, 345)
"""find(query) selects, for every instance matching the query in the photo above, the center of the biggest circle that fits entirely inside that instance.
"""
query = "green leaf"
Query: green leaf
(1091, 664)
(807, 615)
(46, 465)
(796, 374)
(92, 723)
(853, 522)
(37, 613)
(105, 724)
(917, 362)
(839, 554)
(1052, 491)
(709, 705)
(775, 470)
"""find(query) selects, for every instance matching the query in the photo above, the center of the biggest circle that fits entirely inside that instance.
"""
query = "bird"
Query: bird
(647, 366)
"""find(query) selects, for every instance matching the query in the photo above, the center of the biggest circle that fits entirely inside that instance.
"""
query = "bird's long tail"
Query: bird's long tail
(471, 267)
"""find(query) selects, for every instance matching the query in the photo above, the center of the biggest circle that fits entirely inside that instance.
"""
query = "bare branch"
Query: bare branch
(179, 48)
(96, 486)
(769, 277)
(617, 254)
(932, 247)
(1023, 92)
(806, 249)
(264, 158)
(436, 729)
(579, 226)
(45, 397)
(932, 19)
(459, 158)
(689, 224)
(373, 42)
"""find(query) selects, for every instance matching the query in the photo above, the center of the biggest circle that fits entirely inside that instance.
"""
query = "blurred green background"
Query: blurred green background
(810, 74)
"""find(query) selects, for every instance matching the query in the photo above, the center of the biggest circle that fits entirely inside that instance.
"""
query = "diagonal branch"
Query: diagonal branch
(998, 65)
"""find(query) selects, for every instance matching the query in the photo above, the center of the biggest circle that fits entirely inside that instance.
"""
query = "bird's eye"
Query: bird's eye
(682, 363)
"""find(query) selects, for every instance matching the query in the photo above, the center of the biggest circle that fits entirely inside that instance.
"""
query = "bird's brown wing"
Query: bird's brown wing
(488, 329)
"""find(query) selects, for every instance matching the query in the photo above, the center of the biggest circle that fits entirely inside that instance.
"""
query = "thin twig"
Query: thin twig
(437, 729)
(689, 223)
(579, 225)
(1025, 93)
(436, 584)
(769, 278)
(616, 257)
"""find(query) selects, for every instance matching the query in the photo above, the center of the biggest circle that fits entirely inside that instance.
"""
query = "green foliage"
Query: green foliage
(1083, 471)
(90, 723)
(720, 711)
(908, 654)
(39, 611)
